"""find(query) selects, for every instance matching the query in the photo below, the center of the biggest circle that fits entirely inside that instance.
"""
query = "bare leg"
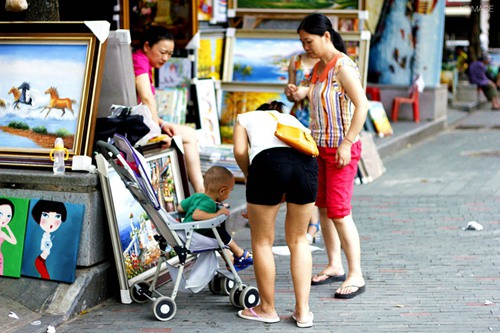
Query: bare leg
(332, 245)
(349, 238)
(262, 226)
(192, 156)
(313, 228)
(297, 218)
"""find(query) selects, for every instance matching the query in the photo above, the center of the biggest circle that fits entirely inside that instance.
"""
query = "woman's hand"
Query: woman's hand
(167, 128)
(343, 155)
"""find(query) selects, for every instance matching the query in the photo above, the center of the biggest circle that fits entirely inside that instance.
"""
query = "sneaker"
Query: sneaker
(244, 261)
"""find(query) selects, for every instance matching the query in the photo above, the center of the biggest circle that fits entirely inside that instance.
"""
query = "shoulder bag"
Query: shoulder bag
(296, 138)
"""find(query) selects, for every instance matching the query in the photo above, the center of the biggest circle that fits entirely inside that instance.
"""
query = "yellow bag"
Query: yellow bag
(296, 138)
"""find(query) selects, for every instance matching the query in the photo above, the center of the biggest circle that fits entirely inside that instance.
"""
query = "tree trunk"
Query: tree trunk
(38, 10)
(475, 21)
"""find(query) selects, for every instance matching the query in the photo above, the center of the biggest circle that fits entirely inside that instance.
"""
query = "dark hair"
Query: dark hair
(318, 24)
(48, 206)
(4, 201)
(156, 33)
(274, 105)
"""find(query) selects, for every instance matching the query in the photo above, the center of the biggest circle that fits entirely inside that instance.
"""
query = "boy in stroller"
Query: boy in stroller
(218, 183)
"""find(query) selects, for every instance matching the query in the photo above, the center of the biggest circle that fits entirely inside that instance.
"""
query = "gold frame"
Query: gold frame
(51, 37)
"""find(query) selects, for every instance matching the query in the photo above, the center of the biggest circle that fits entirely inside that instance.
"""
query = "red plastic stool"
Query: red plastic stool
(412, 99)
(374, 93)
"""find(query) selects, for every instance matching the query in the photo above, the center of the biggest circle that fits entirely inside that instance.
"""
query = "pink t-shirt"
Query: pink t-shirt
(141, 66)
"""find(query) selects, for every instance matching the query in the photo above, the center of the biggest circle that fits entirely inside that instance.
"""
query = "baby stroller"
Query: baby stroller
(192, 249)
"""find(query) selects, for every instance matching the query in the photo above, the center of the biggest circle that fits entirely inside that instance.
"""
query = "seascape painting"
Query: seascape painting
(263, 60)
(138, 246)
(40, 93)
(299, 4)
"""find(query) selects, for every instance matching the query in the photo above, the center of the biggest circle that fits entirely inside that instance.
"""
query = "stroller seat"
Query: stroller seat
(193, 250)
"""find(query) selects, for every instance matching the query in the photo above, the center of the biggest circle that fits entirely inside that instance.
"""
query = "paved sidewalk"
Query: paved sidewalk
(424, 273)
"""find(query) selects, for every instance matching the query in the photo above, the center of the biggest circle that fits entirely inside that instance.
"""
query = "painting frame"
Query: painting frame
(180, 19)
(80, 91)
(241, 7)
(239, 97)
(233, 36)
(114, 193)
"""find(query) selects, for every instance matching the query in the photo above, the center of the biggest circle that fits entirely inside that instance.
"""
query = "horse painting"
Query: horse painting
(21, 94)
(58, 103)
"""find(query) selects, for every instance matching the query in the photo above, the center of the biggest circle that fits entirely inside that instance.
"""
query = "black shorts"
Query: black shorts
(279, 171)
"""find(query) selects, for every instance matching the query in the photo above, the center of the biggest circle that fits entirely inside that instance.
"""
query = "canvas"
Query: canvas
(13, 213)
(136, 251)
(52, 240)
(241, 98)
(207, 111)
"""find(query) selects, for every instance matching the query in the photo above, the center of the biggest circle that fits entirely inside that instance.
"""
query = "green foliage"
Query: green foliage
(40, 130)
(62, 132)
(19, 125)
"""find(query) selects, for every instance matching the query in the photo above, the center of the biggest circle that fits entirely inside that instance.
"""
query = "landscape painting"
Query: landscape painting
(261, 57)
(299, 4)
(51, 73)
(39, 100)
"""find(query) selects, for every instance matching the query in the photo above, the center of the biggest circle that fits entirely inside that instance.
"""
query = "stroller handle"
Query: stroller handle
(106, 148)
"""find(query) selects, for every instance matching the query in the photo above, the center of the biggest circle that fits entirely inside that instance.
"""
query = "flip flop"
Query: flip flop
(304, 324)
(256, 317)
(359, 291)
(330, 279)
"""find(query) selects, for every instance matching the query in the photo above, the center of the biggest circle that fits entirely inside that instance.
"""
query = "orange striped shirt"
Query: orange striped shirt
(331, 109)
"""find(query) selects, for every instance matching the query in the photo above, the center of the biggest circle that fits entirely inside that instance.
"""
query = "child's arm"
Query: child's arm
(199, 215)
(179, 209)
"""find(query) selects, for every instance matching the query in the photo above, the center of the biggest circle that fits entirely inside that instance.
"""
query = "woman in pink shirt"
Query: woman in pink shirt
(156, 49)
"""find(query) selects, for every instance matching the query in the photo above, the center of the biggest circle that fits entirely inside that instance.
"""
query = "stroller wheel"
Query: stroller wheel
(226, 285)
(234, 296)
(215, 285)
(249, 297)
(140, 292)
(164, 308)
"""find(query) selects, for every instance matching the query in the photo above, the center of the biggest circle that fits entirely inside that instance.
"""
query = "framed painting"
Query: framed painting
(296, 5)
(181, 17)
(210, 55)
(39, 100)
(52, 239)
(177, 72)
(172, 104)
(206, 103)
(135, 248)
(236, 98)
(13, 218)
(262, 56)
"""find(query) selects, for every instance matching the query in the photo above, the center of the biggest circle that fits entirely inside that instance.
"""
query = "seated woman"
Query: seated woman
(157, 46)
(477, 75)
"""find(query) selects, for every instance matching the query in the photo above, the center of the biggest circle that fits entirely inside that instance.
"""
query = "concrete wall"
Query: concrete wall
(433, 101)
(73, 187)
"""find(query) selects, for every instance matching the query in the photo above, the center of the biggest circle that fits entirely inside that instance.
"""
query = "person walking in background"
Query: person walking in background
(338, 107)
(477, 75)
(156, 48)
(299, 72)
(218, 183)
(275, 173)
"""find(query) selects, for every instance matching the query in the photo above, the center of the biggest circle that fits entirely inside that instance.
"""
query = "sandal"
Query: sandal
(244, 261)
(313, 238)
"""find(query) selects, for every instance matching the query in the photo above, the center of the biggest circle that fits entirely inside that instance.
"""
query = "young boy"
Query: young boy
(218, 183)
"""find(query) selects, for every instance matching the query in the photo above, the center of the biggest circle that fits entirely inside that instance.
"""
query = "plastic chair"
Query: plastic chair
(373, 93)
(412, 99)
